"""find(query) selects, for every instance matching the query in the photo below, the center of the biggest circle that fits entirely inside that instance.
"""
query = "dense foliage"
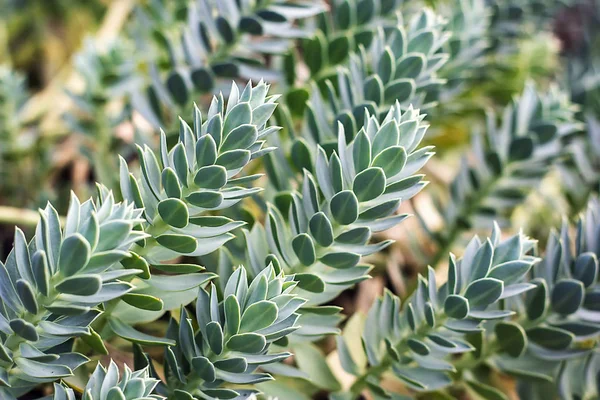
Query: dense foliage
(202, 239)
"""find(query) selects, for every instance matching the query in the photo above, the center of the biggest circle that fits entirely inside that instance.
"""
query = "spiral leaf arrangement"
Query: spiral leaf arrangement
(51, 286)
(233, 337)
(419, 340)
(508, 163)
(224, 291)
(104, 384)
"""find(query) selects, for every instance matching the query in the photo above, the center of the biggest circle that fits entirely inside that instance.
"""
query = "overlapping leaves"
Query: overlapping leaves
(234, 334)
(560, 317)
(214, 40)
(51, 286)
(400, 66)
(320, 233)
(178, 187)
(104, 384)
(343, 29)
(419, 340)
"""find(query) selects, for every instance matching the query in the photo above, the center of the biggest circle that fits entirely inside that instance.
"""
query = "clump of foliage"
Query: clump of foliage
(221, 250)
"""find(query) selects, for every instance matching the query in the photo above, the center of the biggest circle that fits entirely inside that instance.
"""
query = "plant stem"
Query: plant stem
(401, 347)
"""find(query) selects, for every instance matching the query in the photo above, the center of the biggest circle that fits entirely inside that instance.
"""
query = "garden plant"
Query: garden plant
(300, 199)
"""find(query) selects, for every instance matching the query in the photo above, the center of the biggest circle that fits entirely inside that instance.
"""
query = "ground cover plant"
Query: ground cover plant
(299, 199)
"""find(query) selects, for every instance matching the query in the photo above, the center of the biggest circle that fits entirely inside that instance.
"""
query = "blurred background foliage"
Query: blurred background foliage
(81, 81)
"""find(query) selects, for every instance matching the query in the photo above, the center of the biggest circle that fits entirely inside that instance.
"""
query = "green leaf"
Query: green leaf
(171, 183)
(585, 268)
(410, 66)
(567, 296)
(520, 149)
(373, 89)
(41, 272)
(225, 394)
(27, 295)
(301, 157)
(94, 340)
(232, 315)
(311, 361)
(340, 260)
(482, 261)
(115, 393)
(127, 332)
(361, 151)
(418, 347)
(225, 29)
(485, 391)
(429, 314)
(225, 69)
(250, 25)
(252, 343)
(456, 306)
(304, 248)
(234, 159)
(41, 370)
(369, 184)
(399, 90)
(179, 243)
(179, 394)
(24, 329)
(339, 48)
(178, 88)
(550, 338)
(296, 100)
(180, 159)
(258, 316)
(240, 114)
(174, 212)
(178, 268)
(74, 254)
(536, 303)
(234, 364)
(344, 207)
(211, 177)
(134, 262)
(205, 198)
(321, 229)
(345, 357)
(206, 150)
(421, 43)
(82, 285)
(317, 48)
(510, 271)
(214, 336)
(204, 368)
(391, 160)
(241, 137)
(387, 66)
(358, 236)
(64, 308)
(202, 80)
(483, 292)
(180, 283)
(511, 338)
(144, 301)
(310, 282)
